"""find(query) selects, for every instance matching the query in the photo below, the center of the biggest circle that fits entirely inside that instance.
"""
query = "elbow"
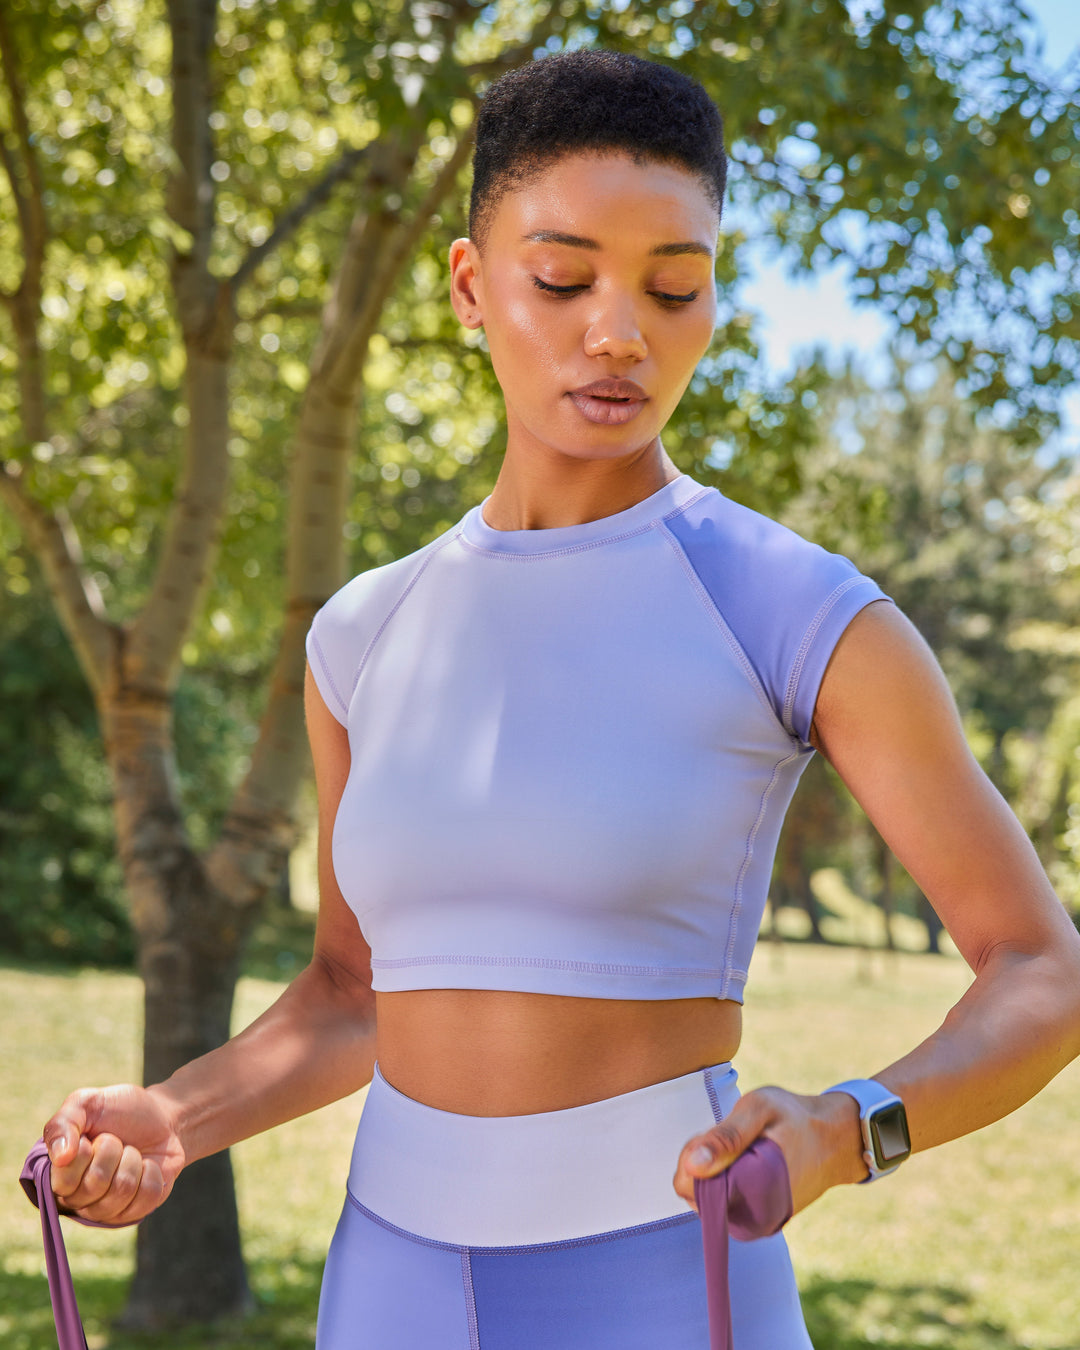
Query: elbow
(344, 990)
(1060, 976)
(1047, 979)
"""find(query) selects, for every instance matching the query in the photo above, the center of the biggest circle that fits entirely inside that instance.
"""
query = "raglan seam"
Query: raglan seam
(736, 647)
(447, 539)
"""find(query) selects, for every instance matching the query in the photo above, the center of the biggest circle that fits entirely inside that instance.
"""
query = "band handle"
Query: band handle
(750, 1199)
(36, 1182)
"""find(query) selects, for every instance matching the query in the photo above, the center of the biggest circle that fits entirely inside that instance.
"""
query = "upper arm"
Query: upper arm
(886, 720)
(339, 944)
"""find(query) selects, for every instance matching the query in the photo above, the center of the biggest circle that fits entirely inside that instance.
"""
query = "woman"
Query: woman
(553, 749)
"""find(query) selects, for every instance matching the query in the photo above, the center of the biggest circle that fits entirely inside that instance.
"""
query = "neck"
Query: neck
(552, 491)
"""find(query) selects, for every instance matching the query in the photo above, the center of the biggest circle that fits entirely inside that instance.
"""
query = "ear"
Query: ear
(466, 283)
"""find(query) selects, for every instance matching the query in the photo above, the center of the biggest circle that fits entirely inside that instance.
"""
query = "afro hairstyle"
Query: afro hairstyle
(596, 101)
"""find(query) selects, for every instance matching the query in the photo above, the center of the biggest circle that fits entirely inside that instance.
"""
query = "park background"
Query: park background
(230, 377)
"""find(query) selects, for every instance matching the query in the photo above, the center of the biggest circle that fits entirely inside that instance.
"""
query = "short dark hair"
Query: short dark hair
(591, 100)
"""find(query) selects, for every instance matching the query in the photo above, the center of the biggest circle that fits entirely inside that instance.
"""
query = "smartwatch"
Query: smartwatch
(886, 1140)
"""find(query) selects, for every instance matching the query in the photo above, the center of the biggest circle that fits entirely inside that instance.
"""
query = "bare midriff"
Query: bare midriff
(486, 1052)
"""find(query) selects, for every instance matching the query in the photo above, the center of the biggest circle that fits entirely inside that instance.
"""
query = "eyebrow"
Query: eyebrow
(577, 241)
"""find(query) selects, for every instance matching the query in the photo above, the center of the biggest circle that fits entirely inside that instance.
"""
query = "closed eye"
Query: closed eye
(557, 290)
(568, 291)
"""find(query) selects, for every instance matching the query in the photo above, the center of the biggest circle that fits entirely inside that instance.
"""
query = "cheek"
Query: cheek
(685, 343)
(526, 337)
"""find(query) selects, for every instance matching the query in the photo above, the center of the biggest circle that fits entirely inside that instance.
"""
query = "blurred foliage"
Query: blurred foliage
(915, 144)
(975, 536)
(60, 884)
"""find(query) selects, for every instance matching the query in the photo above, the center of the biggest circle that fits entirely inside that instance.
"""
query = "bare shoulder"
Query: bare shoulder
(887, 722)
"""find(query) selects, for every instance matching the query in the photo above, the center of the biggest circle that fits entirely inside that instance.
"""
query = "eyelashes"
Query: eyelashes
(566, 292)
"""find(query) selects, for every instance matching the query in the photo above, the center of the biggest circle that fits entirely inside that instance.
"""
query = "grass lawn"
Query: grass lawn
(973, 1247)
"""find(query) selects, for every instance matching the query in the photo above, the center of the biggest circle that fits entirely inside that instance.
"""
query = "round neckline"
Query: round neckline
(480, 535)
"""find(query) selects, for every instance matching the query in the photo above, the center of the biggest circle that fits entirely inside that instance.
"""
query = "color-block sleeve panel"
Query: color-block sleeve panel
(344, 630)
(784, 600)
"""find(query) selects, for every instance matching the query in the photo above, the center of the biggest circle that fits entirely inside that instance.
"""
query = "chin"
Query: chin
(585, 441)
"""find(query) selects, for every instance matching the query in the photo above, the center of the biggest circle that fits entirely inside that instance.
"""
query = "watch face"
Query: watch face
(889, 1136)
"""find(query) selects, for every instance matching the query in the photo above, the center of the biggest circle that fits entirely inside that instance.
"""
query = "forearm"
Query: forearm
(1015, 1028)
(315, 1044)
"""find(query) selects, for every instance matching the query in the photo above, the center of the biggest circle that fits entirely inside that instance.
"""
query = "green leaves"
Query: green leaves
(915, 143)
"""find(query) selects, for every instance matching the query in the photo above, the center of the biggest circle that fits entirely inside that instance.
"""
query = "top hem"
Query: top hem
(577, 979)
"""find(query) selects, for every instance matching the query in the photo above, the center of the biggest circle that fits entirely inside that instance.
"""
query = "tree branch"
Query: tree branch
(290, 220)
(11, 169)
(157, 635)
(55, 544)
(31, 204)
(284, 309)
(402, 243)
(113, 414)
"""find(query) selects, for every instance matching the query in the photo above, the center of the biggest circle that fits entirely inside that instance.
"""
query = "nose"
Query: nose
(615, 331)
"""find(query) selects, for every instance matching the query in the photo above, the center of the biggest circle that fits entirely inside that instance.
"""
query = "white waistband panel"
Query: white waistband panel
(498, 1181)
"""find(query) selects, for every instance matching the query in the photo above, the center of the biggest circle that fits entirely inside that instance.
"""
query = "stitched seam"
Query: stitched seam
(636, 1230)
(808, 641)
(401, 1232)
(326, 671)
(542, 963)
(681, 510)
(557, 552)
(470, 1299)
(592, 543)
(449, 539)
(714, 1096)
(737, 650)
(748, 854)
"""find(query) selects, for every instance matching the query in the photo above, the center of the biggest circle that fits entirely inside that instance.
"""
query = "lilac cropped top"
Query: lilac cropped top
(573, 748)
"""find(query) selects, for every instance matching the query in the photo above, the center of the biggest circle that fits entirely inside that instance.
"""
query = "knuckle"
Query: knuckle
(727, 1137)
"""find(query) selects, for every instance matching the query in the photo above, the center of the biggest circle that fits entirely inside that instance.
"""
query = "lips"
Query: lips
(609, 402)
(613, 389)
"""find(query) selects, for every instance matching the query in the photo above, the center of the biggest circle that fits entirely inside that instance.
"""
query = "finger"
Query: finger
(66, 1180)
(96, 1180)
(122, 1189)
(151, 1192)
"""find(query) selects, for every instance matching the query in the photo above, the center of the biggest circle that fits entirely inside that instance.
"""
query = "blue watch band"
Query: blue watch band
(886, 1142)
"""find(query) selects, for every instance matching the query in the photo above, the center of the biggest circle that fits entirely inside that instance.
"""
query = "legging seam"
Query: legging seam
(470, 1299)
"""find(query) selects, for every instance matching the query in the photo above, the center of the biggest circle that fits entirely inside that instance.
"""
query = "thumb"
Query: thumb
(718, 1148)
(63, 1131)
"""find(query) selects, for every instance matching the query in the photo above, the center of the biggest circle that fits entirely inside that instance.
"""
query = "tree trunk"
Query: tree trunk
(190, 937)
(934, 926)
(808, 900)
(886, 895)
(189, 1262)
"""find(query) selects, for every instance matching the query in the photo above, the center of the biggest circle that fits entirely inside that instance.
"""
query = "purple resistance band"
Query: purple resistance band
(751, 1199)
(36, 1183)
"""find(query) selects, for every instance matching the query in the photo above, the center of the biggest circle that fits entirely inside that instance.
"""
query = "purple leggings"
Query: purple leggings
(628, 1275)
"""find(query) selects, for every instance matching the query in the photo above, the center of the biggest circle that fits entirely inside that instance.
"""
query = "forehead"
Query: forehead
(610, 200)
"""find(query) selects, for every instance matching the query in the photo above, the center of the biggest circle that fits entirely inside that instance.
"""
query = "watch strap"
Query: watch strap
(871, 1097)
